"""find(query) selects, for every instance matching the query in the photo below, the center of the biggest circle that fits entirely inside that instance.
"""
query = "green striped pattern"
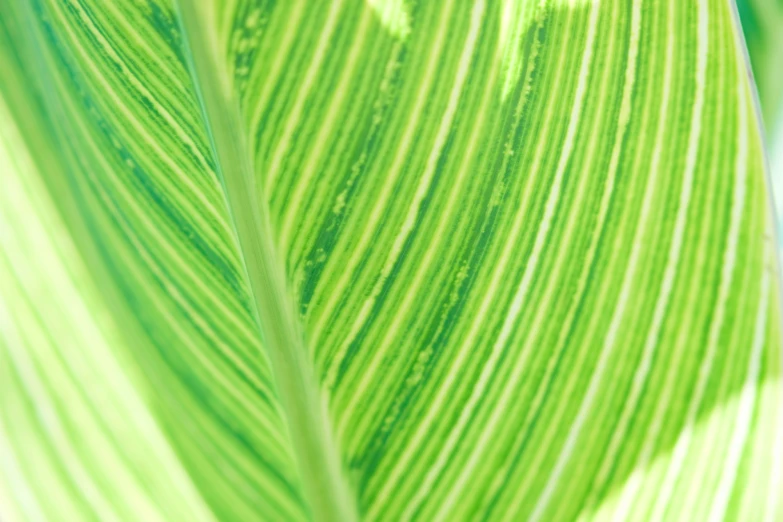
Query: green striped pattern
(762, 23)
(385, 260)
(78, 442)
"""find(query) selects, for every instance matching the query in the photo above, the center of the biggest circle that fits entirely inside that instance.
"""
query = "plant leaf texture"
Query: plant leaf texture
(385, 260)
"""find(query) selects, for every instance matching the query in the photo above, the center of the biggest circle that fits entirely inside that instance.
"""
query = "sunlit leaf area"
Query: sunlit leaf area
(391, 260)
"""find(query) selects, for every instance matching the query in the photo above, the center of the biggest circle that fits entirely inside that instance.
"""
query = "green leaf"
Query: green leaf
(384, 260)
(762, 22)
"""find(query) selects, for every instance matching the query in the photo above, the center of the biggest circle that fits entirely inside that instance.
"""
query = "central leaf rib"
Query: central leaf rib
(311, 435)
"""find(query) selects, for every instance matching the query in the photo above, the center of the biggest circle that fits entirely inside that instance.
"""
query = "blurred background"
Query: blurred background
(762, 22)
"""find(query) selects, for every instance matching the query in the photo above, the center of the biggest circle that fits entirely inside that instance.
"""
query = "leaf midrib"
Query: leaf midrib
(317, 458)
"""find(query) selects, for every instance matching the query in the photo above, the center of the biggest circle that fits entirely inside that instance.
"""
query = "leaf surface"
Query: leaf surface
(385, 260)
(762, 23)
